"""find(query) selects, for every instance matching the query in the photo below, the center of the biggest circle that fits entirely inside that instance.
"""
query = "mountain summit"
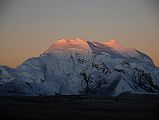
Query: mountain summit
(80, 67)
(116, 46)
(67, 44)
(82, 45)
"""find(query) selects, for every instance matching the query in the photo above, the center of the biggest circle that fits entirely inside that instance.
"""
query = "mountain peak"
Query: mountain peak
(70, 39)
(79, 44)
(67, 44)
(115, 45)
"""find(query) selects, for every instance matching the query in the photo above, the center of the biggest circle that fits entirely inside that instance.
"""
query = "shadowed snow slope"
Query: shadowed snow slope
(79, 67)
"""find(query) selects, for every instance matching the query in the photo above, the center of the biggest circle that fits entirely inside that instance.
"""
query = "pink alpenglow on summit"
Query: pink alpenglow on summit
(83, 46)
(123, 50)
(68, 44)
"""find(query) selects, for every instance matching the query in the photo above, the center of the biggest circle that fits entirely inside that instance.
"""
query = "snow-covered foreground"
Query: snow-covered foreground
(79, 67)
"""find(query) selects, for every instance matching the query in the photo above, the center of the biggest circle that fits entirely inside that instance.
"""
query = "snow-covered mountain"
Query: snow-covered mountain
(76, 66)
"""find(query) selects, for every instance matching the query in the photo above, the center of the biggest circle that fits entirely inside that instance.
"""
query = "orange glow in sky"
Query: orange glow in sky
(29, 27)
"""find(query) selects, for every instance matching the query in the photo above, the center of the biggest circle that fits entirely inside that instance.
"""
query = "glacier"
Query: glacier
(80, 67)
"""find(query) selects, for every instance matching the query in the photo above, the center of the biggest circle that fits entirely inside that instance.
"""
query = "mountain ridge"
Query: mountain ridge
(80, 67)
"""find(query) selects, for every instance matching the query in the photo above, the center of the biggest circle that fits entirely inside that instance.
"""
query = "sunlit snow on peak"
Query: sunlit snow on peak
(121, 49)
(81, 45)
(115, 45)
(68, 44)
